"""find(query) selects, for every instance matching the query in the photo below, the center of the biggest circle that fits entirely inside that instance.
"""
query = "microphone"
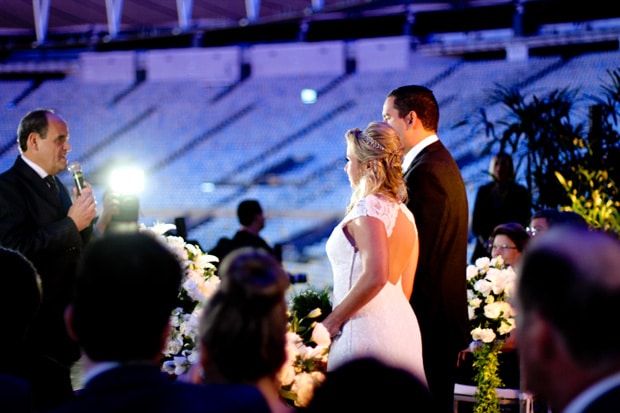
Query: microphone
(76, 169)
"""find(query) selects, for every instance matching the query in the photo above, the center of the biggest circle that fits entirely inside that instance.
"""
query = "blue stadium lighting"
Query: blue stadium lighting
(308, 96)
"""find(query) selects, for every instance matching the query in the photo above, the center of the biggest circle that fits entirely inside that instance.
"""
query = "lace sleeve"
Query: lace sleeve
(375, 206)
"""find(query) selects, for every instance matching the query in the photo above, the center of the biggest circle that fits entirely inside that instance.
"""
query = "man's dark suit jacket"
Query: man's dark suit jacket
(438, 201)
(34, 222)
(241, 239)
(498, 203)
(144, 389)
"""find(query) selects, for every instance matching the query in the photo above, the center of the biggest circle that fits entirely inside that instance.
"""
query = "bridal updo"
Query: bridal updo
(243, 326)
(378, 145)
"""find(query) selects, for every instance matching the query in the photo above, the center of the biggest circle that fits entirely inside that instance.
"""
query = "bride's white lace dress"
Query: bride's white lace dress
(386, 327)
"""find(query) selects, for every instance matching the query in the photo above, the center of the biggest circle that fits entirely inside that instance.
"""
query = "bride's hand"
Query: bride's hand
(333, 328)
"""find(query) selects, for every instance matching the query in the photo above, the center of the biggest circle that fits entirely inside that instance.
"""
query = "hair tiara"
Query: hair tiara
(369, 140)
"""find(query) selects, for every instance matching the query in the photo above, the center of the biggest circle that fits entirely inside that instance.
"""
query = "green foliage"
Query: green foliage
(540, 133)
(307, 308)
(594, 196)
(486, 368)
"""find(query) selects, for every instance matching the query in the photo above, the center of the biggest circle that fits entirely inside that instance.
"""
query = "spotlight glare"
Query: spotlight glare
(127, 180)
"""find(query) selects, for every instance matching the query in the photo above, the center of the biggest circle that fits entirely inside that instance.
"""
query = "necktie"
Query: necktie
(51, 182)
(62, 195)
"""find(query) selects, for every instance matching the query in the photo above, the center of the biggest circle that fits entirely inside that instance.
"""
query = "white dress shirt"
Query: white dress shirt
(413, 152)
(34, 166)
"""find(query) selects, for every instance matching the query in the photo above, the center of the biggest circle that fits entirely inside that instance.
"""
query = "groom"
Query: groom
(438, 201)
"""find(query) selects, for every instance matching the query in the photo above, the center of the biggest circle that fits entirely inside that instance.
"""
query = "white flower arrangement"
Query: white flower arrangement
(306, 358)
(305, 365)
(490, 286)
(198, 285)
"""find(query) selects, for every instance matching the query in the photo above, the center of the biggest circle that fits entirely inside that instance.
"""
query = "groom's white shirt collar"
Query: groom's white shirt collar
(413, 152)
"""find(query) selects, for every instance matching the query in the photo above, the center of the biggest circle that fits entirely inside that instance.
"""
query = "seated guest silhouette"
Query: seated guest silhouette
(126, 288)
(391, 389)
(20, 299)
(243, 327)
(544, 219)
(508, 240)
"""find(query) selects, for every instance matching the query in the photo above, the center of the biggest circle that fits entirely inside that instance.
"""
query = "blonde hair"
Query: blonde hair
(378, 145)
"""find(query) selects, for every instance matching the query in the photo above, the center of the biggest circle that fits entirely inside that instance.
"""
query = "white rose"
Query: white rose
(492, 275)
(181, 365)
(470, 294)
(483, 263)
(174, 346)
(471, 313)
(505, 327)
(493, 310)
(485, 335)
(483, 286)
(504, 279)
(472, 271)
(475, 303)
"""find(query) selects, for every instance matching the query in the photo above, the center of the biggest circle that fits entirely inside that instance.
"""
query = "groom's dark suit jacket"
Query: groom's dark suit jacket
(438, 200)
(144, 389)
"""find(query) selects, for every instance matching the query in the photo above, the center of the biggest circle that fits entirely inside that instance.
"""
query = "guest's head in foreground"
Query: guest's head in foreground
(367, 384)
(374, 164)
(508, 240)
(568, 297)
(127, 286)
(20, 299)
(243, 326)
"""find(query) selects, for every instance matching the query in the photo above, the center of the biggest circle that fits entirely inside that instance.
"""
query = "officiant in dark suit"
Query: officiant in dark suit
(438, 201)
(39, 219)
(568, 301)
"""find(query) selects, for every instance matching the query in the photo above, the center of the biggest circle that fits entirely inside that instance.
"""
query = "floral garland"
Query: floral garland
(198, 285)
(307, 340)
(490, 286)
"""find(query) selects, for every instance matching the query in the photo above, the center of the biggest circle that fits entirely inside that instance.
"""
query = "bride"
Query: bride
(373, 252)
